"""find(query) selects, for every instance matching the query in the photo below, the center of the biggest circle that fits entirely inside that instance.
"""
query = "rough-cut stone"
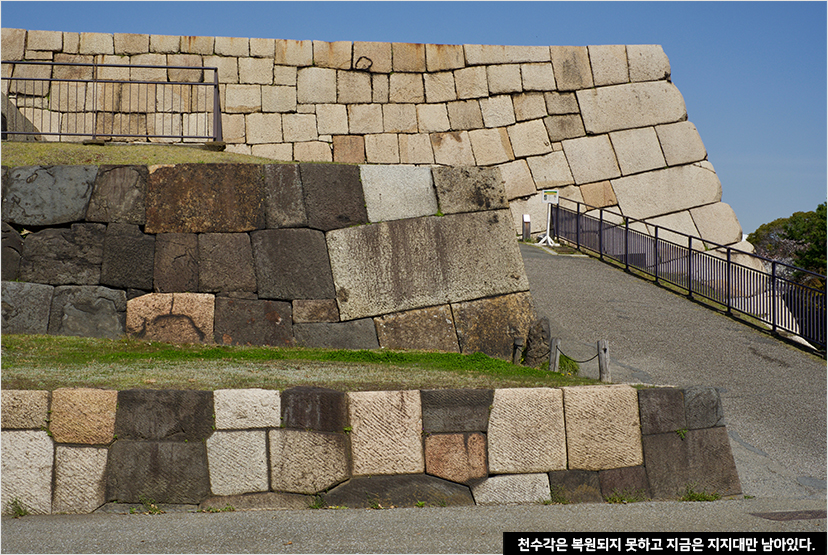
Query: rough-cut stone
(164, 471)
(12, 250)
(316, 85)
(469, 189)
(128, 257)
(28, 456)
(88, 311)
(529, 106)
(566, 126)
(637, 150)
(456, 410)
(306, 461)
(354, 334)
(83, 415)
(538, 344)
(314, 408)
(703, 408)
(374, 57)
(512, 490)
(717, 223)
(284, 206)
(439, 87)
(292, 264)
(386, 432)
(575, 486)
(237, 461)
(268, 501)
(26, 307)
(365, 492)
(176, 262)
(452, 149)
(517, 179)
(572, 69)
(382, 149)
(62, 256)
(526, 431)
(456, 457)
(333, 196)
(14, 46)
(609, 64)
(625, 482)
(349, 149)
(246, 408)
(306, 311)
(591, 159)
(253, 322)
(432, 118)
(647, 62)
(425, 329)
(165, 415)
(491, 146)
(550, 171)
(661, 410)
(465, 114)
(393, 193)
(24, 409)
(172, 317)
(201, 198)
(599, 194)
(538, 77)
(498, 111)
(80, 479)
(408, 57)
(491, 325)
(415, 149)
(681, 143)
(294, 52)
(630, 105)
(118, 195)
(51, 195)
(225, 263)
(477, 54)
(504, 78)
(441, 57)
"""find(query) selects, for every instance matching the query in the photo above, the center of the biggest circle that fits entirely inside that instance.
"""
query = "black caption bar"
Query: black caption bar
(516, 543)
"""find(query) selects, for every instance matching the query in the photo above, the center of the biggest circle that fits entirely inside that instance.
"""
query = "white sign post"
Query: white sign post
(550, 197)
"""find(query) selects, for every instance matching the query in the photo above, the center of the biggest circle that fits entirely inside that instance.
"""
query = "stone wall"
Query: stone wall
(82, 450)
(604, 124)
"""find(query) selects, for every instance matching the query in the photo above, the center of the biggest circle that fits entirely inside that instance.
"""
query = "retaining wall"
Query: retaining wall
(82, 450)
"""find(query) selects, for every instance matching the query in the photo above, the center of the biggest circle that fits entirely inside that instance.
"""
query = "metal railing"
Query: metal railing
(59, 100)
(739, 282)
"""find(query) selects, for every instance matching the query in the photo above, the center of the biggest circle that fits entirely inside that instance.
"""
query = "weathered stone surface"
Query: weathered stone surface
(168, 415)
(294, 52)
(681, 143)
(364, 492)
(242, 409)
(262, 501)
(591, 159)
(352, 87)
(26, 307)
(661, 410)
(599, 194)
(703, 408)
(526, 431)
(333, 196)
(88, 311)
(512, 489)
(253, 322)
(456, 457)
(284, 206)
(176, 263)
(491, 146)
(24, 409)
(572, 69)
(468, 189)
(306, 461)
(452, 149)
(372, 56)
(83, 415)
(625, 482)
(14, 46)
(307, 311)
(498, 111)
(602, 427)
(575, 486)
(386, 432)
(630, 105)
(477, 54)
(316, 85)
(637, 150)
(12, 250)
(647, 62)
(237, 461)
(425, 329)
(550, 171)
(397, 192)
(225, 263)
(354, 334)
(385, 267)
(529, 138)
(465, 114)
(62, 256)
(165, 471)
(538, 344)
(382, 149)
(80, 479)
(119, 195)
(491, 325)
(292, 264)
(50, 195)
(128, 257)
(349, 149)
(566, 126)
(609, 64)
(456, 410)
(408, 57)
(28, 456)
(172, 317)
(199, 198)
(416, 149)
(717, 223)
(314, 408)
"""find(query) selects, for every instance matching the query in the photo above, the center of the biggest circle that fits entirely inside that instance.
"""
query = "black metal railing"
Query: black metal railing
(59, 100)
(739, 282)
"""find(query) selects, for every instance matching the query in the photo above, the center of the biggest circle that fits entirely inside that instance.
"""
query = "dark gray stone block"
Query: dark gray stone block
(314, 408)
(400, 491)
(703, 408)
(88, 311)
(284, 198)
(51, 195)
(176, 263)
(491, 325)
(469, 189)
(119, 195)
(171, 415)
(164, 471)
(665, 458)
(456, 410)
(562, 127)
(128, 257)
(538, 344)
(253, 322)
(225, 263)
(292, 264)
(661, 410)
(268, 501)
(626, 482)
(356, 334)
(64, 256)
(26, 307)
(12, 249)
(575, 486)
(333, 196)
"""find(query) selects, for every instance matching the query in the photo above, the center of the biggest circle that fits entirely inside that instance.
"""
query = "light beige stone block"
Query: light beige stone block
(147, 74)
(491, 146)
(13, 43)
(717, 223)
(306, 461)
(550, 171)
(294, 52)
(353, 87)
(637, 150)
(237, 461)
(365, 118)
(679, 222)
(279, 151)
(67, 97)
(602, 427)
(497, 111)
(647, 62)
(629, 106)
(164, 44)
(399, 118)
(504, 78)
(465, 115)
(96, 43)
(239, 149)
(332, 119)
(382, 149)
(599, 194)
(130, 43)
(529, 138)
(232, 46)
(316, 85)
(535, 208)
(561, 103)
(471, 82)
(243, 99)
(44, 40)
(299, 128)
(572, 68)
(188, 75)
(164, 124)
(538, 77)
(262, 48)
(439, 87)
(263, 128)
(28, 457)
(278, 98)
(526, 431)
(408, 57)
(452, 149)
(406, 87)
(379, 84)
(336, 55)
(386, 432)
(80, 479)
(313, 151)
(233, 128)
(39, 55)
(197, 45)
(529, 106)
(256, 70)
(442, 57)
(24, 409)
(432, 118)
(681, 143)
(591, 159)
(374, 57)
(416, 149)
(83, 415)
(515, 489)
(517, 179)
(242, 409)
(480, 54)
(284, 75)
(397, 192)
(71, 43)
(609, 64)
(228, 68)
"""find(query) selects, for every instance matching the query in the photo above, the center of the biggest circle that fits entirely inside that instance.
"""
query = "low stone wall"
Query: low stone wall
(319, 255)
(82, 450)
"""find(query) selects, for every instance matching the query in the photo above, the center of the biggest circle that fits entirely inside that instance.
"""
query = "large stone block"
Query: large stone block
(517, 179)
(88, 311)
(491, 146)
(119, 195)
(526, 431)
(83, 415)
(452, 149)
(591, 159)
(80, 479)
(14, 46)
(242, 409)
(237, 461)
(258, 501)
(647, 62)
(354, 334)
(398, 192)
(609, 64)
(703, 408)
(24, 409)
(439, 87)
(469, 189)
(491, 325)
(456, 410)
(164, 415)
(575, 486)
(26, 307)
(225, 263)
(382, 149)
(498, 111)
(465, 114)
(365, 492)
(478, 54)
(565, 126)
(27, 461)
(598, 194)
(602, 427)
(128, 257)
(386, 432)
(572, 68)
(316, 85)
(661, 410)
(12, 250)
(199, 198)
(550, 171)
(172, 317)
(314, 408)
(408, 57)
(425, 329)
(630, 105)
(333, 196)
(292, 264)
(51, 195)
(681, 143)
(456, 457)
(253, 322)
(294, 52)
(512, 490)
(307, 311)
(637, 150)
(164, 471)
(717, 223)
(307, 462)
(372, 56)
(176, 263)
(349, 149)
(625, 482)
(62, 256)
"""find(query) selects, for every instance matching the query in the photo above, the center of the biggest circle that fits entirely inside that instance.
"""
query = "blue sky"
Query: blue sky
(753, 74)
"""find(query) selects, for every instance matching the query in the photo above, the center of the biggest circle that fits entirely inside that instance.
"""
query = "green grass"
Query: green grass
(690, 494)
(627, 496)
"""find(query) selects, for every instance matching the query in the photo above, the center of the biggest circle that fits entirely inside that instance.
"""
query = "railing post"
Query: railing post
(773, 296)
(601, 233)
(578, 225)
(95, 97)
(727, 281)
(218, 135)
(690, 267)
(655, 255)
(627, 244)
(555, 355)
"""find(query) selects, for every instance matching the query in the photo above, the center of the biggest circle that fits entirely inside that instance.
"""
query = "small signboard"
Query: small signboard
(550, 196)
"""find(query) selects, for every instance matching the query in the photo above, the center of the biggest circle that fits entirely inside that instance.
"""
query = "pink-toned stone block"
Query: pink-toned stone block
(456, 457)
